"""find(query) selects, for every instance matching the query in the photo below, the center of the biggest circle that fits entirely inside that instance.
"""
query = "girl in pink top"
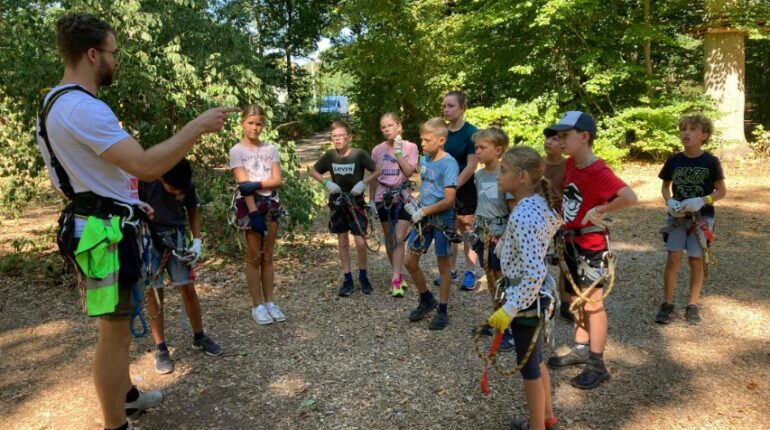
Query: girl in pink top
(397, 159)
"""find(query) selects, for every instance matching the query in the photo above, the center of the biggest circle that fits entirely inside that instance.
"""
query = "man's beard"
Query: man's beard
(106, 76)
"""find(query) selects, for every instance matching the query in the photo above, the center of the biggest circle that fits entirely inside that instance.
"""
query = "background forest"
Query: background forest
(637, 65)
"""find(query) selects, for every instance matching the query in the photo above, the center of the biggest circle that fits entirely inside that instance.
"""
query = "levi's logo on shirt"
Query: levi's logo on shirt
(343, 169)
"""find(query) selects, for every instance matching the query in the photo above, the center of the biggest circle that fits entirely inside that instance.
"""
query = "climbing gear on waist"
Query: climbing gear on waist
(346, 202)
(598, 275)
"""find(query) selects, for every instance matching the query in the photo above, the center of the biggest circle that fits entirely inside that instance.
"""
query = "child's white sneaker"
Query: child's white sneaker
(260, 315)
(275, 312)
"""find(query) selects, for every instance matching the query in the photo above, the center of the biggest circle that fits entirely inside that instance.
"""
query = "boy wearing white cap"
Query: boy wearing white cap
(591, 190)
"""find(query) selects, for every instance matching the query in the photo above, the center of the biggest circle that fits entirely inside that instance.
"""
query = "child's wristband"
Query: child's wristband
(325, 181)
(399, 154)
(709, 199)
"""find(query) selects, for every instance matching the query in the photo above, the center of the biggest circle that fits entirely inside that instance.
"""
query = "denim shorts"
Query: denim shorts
(679, 240)
(431, 234)
(179, 272)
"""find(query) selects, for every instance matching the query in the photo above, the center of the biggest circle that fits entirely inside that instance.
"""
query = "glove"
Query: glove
(596, 218)
(372, 207)
(248, 188)
(674, 205)
(398, 144)
(693, 204)
(358, 189)
(501, 319)
(411, 207)
(417, 216)
(333, 188)
(257, 222)
(195, 251)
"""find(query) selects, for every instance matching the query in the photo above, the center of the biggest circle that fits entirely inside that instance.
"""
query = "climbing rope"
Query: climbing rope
(608, 274)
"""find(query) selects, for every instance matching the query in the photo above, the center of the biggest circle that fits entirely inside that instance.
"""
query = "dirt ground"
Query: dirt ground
(358, 362)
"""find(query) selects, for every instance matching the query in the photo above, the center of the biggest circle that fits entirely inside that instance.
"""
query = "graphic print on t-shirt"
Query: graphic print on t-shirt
(343, 169)
(571, 202)
(690, 181)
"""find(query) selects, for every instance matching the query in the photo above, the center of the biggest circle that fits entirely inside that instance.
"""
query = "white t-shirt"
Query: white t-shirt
(257, 161)
(80, 128)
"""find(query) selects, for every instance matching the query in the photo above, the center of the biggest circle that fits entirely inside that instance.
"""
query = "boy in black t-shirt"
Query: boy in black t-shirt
(171, 197)
(346, 188)
(692, 182)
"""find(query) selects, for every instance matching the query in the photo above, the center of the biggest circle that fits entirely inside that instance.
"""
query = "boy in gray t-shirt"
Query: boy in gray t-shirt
(347, 211)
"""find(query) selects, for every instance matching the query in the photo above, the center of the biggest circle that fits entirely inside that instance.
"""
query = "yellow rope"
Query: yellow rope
(582, 295)
(492, 358)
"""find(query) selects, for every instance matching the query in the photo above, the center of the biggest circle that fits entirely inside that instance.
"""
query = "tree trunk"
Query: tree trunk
(648, 42)
(724, 79)
(290, 96)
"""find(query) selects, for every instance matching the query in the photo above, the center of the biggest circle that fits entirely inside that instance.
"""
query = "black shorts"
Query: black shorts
(466, 199)
(523, 334)
(395, 212)
(582, 277)
(341, 220)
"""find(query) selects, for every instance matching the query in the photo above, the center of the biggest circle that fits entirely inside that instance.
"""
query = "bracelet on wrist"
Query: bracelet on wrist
(399, 154)
(709, 200)
(325, 181)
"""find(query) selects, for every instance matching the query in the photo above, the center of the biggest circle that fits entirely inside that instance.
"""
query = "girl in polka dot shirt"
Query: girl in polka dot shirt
(522, 250)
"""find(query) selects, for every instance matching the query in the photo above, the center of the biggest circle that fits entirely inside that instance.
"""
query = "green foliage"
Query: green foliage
(761, 141)
(168, 75)
(524, 124)
(650, 132)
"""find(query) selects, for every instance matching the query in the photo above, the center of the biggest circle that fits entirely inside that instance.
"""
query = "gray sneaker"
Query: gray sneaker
(691, 314)
(163, 362)
(572, 358)
(146, 400)
(207, 345)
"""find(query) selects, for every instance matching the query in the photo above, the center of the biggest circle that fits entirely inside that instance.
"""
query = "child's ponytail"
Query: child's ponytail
(545, 190)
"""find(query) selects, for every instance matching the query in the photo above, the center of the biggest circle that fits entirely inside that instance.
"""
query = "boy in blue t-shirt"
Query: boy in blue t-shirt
(171, 197)
(692, 182)
(438, 171)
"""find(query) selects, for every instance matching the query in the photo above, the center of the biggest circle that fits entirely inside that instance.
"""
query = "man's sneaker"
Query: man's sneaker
(520, 423)
(275, 312)
(208, 346)
(469, 281)
(346, 289)
(565, 313)
(507, 344)
(163, 363)
(423, 308)
(572, 358)
(485, 330)
(592, 375)
(366, 286)
(691, 314)
(664, 314)
(146, 400)
(455, 279)
(439, 321)
(260, 315)
(397, 288)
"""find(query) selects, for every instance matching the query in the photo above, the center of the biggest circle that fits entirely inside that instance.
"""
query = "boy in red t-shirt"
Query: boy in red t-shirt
(591, 190)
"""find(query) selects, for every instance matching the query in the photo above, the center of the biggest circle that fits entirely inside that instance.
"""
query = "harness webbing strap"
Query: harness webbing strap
(64, 180)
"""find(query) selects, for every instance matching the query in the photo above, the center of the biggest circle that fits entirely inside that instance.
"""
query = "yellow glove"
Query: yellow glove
(500, 320)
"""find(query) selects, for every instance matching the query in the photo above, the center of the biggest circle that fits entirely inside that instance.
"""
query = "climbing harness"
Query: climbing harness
(605, 273)
(431, 222)
(703, 234)
(543, 312)
(403, 192)
(345, 201)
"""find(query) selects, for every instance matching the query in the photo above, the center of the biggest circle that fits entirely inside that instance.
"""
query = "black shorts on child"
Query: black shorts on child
(583, 274)
(342, 219)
